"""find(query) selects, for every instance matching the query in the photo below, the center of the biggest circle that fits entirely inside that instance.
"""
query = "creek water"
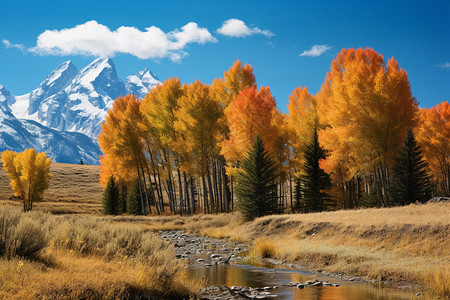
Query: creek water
(217, 262)
(251, 276)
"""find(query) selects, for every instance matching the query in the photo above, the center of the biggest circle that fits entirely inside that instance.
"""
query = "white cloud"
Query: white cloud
(92, 38)
(445, 65)
(8, 45)
(316, 50)
(237, 28)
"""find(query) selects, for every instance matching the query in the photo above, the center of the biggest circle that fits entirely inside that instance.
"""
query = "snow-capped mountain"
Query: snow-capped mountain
(141, 83)
(67, 147)
(78, 102)
(65, 112)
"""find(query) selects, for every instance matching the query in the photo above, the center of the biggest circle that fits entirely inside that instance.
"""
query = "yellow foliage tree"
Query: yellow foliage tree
(29, 173)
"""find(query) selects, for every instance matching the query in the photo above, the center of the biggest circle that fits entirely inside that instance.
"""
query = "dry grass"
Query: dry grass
(265, 248)
(89, 257)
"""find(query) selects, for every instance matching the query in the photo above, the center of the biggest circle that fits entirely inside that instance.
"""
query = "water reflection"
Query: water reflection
(236, 275)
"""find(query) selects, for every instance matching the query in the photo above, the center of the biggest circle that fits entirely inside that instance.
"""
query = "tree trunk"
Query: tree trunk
(145, 190)
(180, 192)
(210, 187)
(140, 189)
(193, 195)
(186, 192)
(157, 185)
(205, 195)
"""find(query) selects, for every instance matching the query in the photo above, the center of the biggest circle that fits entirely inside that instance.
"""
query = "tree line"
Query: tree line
(182, 148)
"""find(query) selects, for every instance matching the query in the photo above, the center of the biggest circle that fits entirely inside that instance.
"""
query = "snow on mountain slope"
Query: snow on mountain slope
(67, 109)
(64, 147)
(141, 83)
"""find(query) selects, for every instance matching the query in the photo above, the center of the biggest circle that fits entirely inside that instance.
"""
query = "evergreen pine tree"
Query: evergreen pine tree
(122, 207)
(256, 188)
(134, 204)
(315, 181)
(111, 198)
(410, 183)
(298, 196)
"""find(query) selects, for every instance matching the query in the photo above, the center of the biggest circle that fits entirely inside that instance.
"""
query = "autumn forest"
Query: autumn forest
(181, 148)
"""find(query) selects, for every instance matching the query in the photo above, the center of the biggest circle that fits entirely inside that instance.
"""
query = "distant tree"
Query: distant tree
(256, 190)
(29, 173)
(111, 198)
(134, 204)
(311, 189)
(411, 183)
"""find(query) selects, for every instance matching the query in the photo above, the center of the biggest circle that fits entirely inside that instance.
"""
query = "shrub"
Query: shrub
(265, 248)
(21, 234)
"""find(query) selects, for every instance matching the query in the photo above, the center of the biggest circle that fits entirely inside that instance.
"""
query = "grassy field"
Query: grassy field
(404, 245)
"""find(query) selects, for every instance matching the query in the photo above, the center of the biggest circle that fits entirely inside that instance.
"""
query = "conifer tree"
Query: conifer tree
(134, 204)
(411, 183)
(257, 189)
(315, 181)
(298, 196)
(123, 194)
(111, 198)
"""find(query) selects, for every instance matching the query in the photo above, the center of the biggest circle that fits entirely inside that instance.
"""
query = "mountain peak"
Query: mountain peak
(55, 82)
(5, 95)
(141, 83)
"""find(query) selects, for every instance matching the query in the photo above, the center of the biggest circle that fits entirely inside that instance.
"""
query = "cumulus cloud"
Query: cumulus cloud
(92, 38)
(8, 45)
(237, 28)
(316, 50)
(445, 65)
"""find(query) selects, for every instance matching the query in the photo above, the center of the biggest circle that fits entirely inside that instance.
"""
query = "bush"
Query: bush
(21, 234)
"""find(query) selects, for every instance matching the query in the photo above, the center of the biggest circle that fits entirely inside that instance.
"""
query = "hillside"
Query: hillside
(74, 189)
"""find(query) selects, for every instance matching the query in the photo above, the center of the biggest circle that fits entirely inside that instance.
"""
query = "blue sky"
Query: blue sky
(416, 33)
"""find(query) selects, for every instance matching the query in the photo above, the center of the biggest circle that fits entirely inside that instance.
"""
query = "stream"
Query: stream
(221, 265)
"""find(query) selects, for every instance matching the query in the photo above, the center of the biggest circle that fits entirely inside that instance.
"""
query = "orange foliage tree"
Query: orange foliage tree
(433, 135)
(249, 115)
(367, 108)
